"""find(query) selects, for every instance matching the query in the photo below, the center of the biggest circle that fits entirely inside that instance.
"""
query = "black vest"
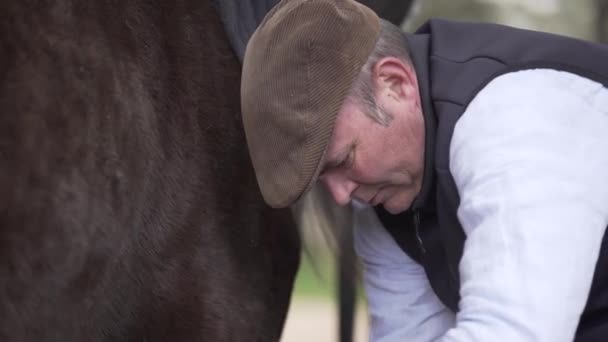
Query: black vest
(453, 62)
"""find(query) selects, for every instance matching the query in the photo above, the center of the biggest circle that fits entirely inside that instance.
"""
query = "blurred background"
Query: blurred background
(328, 255)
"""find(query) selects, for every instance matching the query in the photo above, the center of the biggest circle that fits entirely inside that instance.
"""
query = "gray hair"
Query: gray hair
(391, 42)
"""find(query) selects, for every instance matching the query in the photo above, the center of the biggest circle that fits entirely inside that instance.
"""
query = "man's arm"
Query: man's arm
(401, 303)
(530, 160)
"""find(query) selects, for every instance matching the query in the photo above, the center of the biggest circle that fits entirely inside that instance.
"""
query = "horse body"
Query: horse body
(129, 209)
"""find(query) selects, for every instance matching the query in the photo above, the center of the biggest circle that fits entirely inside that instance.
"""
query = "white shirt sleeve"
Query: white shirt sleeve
(401, 303)
(530, 161)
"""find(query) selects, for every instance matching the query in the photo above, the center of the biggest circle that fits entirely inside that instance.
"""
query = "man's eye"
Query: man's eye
(347, 162)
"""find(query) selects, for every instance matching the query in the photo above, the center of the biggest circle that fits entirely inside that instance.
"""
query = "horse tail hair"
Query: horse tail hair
(323, 225)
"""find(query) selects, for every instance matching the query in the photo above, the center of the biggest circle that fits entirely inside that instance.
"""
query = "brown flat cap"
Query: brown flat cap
(298, 68)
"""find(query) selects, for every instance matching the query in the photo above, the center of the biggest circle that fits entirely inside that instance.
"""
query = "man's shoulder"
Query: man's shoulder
(533, 88)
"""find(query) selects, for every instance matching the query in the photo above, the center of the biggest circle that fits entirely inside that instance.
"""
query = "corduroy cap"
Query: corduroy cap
(298, 68)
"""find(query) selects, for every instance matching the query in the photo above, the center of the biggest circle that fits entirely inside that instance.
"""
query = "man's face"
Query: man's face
(373, 163)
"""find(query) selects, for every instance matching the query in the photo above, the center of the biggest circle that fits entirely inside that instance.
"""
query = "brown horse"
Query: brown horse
(129, 210)
(128, 206)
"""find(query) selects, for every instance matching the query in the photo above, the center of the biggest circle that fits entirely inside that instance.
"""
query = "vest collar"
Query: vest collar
(419, 45)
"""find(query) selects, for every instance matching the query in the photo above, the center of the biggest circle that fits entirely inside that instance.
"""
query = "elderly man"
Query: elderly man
(476, 154)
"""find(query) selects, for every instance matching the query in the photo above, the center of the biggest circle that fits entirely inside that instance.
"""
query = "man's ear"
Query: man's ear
(394, 78)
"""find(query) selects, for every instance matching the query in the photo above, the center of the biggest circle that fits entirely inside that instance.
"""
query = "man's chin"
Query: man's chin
(394, 209)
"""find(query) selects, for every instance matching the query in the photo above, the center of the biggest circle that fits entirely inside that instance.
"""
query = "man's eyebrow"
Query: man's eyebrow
(342, 155)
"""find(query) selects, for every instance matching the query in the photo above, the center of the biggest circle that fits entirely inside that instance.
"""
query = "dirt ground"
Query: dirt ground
(315, 320)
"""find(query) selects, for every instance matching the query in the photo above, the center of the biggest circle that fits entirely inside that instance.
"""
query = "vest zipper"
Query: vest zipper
(416, 218)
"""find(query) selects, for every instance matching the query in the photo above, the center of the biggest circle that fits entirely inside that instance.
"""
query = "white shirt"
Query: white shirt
(529, 157)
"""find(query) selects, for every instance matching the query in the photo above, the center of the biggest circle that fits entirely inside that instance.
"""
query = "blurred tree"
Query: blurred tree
(571, 18)
(602, 21)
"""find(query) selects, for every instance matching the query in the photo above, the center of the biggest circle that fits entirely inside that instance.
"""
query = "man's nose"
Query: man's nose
(341, 188)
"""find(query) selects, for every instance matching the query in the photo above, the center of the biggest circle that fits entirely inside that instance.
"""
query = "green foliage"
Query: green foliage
(316, 278)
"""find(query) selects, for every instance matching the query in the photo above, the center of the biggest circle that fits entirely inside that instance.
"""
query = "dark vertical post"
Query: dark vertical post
(347, 282)
(602, 21)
